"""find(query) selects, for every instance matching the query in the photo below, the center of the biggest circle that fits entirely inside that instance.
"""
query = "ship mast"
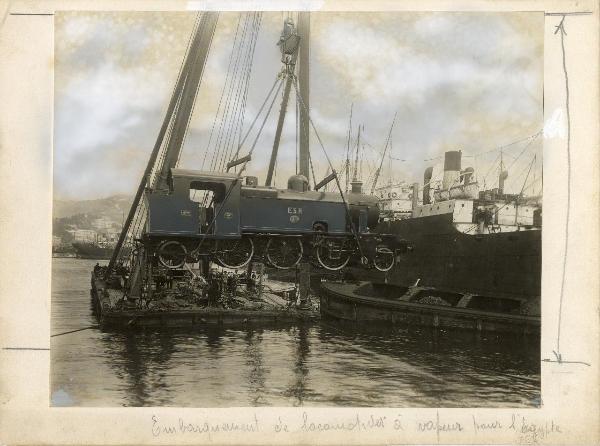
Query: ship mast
(294, 43)
(304, 87)
(288, 42)
(387, 143)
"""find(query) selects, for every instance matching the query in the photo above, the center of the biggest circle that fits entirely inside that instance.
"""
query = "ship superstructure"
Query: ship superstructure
(485, 244)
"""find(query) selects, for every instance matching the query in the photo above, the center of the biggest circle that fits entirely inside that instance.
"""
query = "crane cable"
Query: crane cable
(234, 182)
(232, 105)
(337, 180)
(243, 89)
(225, 98)
(134, 227)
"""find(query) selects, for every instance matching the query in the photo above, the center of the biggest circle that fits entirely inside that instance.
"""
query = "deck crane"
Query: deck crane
(172, 131)
(168, 229)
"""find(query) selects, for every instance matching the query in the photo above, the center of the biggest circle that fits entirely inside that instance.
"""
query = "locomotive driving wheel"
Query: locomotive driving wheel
(333, 253)
(383, 259)
(234, 253)
(172, 254)
(284, 252)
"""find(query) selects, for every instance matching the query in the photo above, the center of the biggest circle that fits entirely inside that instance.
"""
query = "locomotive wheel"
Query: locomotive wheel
(234, 253)
(333, 253)
(284, 252)
(172, 254)
(384, 258)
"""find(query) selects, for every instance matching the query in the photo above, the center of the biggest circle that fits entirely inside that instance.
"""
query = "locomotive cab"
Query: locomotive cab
(194, 200)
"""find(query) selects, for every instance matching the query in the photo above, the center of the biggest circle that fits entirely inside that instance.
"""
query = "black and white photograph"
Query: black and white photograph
(294, 208)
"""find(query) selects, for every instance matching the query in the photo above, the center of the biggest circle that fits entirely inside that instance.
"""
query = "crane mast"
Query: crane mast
(176, 118)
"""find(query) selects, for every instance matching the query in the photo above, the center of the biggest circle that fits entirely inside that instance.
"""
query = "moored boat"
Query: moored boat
(468, 250)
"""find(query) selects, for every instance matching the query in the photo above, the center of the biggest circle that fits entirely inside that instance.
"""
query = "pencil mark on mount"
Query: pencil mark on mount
(561, 361)
(25, 348)
(557, 353)
(563, 14)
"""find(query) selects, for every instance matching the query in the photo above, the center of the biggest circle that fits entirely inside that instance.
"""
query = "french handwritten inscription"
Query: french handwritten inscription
(526, 430)
(204, 428)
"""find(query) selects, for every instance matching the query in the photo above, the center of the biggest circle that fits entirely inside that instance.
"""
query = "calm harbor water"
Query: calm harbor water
(319, 364)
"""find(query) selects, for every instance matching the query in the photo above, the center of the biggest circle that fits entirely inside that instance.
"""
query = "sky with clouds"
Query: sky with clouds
(468, 81)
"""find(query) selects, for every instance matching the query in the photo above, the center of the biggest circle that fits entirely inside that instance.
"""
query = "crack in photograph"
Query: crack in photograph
(297, 209)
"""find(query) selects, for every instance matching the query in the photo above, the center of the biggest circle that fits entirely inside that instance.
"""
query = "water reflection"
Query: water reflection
(298, 387)
(256, 370)
(324, 364)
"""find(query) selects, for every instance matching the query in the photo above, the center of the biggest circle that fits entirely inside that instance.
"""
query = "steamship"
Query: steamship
(472, 260)
(482, 247)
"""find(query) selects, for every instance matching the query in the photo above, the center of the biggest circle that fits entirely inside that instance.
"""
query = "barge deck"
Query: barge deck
(113, 312)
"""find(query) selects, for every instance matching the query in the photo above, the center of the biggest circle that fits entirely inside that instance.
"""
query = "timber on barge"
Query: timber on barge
(223, 300)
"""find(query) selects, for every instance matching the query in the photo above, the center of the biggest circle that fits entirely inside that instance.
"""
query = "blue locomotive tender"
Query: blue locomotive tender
(213, 214)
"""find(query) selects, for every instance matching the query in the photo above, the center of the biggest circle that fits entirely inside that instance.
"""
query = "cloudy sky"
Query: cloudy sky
(469, 81)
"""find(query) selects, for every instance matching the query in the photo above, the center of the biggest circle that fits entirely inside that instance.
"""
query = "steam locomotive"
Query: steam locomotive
(214, 215)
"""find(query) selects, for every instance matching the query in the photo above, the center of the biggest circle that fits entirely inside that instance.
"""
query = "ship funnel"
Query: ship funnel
(356, 187)
(467, 175)
(503, 176)
(415, 196)
(426, 184)
(451, 168)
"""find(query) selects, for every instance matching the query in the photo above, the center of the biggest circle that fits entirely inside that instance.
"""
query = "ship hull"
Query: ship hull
(500, 265)
(91, 251)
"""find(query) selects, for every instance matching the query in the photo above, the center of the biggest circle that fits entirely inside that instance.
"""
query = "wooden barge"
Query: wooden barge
(108, 304)
(361, 303)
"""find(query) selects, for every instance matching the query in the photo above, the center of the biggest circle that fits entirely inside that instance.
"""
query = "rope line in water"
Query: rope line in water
(74, 331)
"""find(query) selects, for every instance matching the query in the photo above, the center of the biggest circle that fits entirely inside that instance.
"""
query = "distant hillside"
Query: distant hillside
(112, 208)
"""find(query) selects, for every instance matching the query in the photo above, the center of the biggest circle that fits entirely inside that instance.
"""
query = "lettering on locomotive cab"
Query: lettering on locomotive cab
(294, 210)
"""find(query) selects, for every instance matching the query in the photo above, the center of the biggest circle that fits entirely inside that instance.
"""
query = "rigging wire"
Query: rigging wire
(231, 55)
(134, 228)
(337, 180)
(238, 110)
(239, 175)
(240, 95)
(230, 84)
(187, 126)
(277, 79)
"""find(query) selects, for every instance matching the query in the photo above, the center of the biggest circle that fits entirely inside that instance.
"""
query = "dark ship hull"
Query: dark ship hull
(500, 266)
(92, 251)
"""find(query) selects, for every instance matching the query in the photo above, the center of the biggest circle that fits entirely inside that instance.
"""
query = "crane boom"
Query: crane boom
(191, 73)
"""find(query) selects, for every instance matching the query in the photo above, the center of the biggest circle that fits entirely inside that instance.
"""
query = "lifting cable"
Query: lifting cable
(241, 95)
(158, 165)
(224, 89)
(337, 180)
(239, 176)
(151, 171)
(239, 92)
(277, 79)
(231, 103)
(187, 126)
